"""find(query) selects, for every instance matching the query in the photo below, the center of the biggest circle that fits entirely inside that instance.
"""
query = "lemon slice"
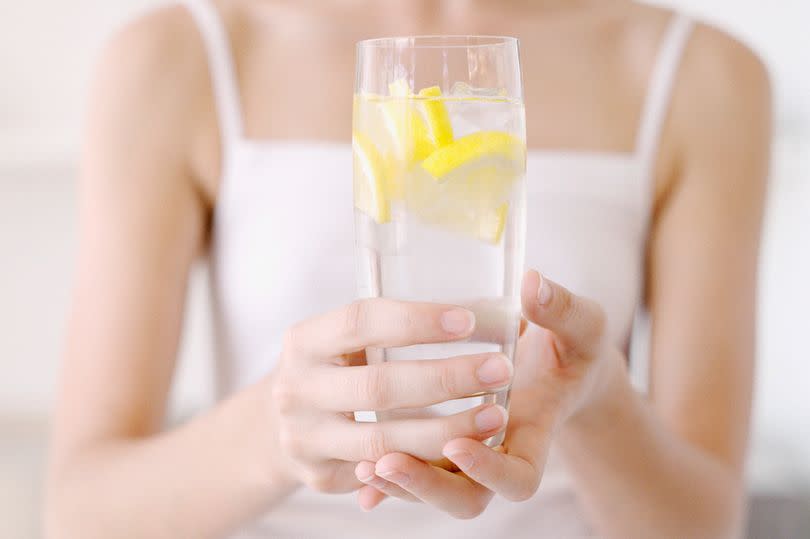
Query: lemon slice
(369, 179)
(466, 186)
(438, 120)
(400, 88)
(492, 224)
(409, 133)
(496, 147)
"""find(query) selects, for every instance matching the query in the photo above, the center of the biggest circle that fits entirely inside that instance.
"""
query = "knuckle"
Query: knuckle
(288, 440)
(291, 339)
(356, 317)
(375, 443)
(567, 307)
(407, 319)
(594, 326)
(284, 399)
(373, 388)
(599, 322)
(320, 479)
(444, 429)
(447, 379)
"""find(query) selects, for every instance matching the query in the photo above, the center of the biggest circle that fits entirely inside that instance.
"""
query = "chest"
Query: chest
(579, 90)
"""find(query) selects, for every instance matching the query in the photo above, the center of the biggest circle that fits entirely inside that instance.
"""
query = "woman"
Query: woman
(221, 127)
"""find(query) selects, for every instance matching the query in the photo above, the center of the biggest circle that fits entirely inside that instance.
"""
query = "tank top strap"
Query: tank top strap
(662, 79)
(220, 64)
(654, 113)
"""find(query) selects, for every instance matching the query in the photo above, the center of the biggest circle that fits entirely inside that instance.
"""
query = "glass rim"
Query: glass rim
(438, 41)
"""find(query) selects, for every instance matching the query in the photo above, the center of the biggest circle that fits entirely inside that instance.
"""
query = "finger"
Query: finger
(515, 473)
(405, 384)
(369, 497)
(422, 438)
(365, 472)
(450, 492)
(338, 477)
(377, 322)
(578, 322)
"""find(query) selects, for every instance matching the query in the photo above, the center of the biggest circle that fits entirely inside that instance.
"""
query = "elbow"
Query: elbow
(56, 519)
(713, 510)
(61, 515)
(718, 514)
(700, 519)
(69, 511)
(729, 523)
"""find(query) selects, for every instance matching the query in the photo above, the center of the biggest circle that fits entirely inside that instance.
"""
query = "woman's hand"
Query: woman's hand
(322, 378)
(561, 369)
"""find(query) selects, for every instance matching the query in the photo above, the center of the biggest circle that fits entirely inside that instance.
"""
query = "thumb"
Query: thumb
(579, 323)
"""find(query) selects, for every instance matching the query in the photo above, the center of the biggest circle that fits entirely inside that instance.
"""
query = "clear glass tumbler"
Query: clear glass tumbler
(439, 145)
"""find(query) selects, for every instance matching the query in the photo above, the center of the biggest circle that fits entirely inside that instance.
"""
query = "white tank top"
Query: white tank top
(283, 250)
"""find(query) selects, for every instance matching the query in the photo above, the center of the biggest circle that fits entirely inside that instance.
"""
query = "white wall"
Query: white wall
(46, 50)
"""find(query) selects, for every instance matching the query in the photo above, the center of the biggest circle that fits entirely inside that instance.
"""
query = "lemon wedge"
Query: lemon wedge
(466, 185)
(438, 120)
(369, 179)
(407, 129)
(498, 148)
(400, 88)
(492, 224)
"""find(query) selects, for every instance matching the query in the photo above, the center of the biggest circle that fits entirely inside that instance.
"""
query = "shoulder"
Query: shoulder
(153, 65)
(161, 47)
(152, 79)
(714, 61)
(717, 65)
(720, 121)
(722, 100)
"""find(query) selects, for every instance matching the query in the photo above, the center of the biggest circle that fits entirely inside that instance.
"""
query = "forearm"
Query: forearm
(637, 479)
(199, 480)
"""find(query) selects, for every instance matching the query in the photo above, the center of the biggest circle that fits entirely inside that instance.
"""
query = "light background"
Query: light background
(47, 50)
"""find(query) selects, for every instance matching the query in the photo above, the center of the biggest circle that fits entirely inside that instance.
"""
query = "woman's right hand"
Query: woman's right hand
(322, 378)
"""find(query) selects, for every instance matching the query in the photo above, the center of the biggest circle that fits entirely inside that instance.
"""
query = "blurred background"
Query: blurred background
(47, 50)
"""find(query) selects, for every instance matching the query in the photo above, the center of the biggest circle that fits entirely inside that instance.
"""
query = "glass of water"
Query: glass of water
(439, 148)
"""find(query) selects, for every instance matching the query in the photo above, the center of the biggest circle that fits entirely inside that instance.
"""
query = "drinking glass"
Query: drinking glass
(439, 189)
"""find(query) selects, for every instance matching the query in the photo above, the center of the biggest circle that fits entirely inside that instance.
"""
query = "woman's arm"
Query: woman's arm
(673, 467)
(143, 221)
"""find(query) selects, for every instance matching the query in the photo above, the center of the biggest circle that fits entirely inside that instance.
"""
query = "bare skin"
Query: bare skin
(669, 465)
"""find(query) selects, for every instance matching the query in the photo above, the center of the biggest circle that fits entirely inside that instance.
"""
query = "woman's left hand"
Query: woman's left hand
(561, 369)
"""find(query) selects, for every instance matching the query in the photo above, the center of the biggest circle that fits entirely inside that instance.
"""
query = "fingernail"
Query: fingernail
(399, 478)
(462, 459)
(491, 418)
(373, 480)
(458, 321)
(495, 370)
(544, 292)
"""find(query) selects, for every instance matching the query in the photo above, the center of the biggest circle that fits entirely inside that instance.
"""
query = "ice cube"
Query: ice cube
(463, 89)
